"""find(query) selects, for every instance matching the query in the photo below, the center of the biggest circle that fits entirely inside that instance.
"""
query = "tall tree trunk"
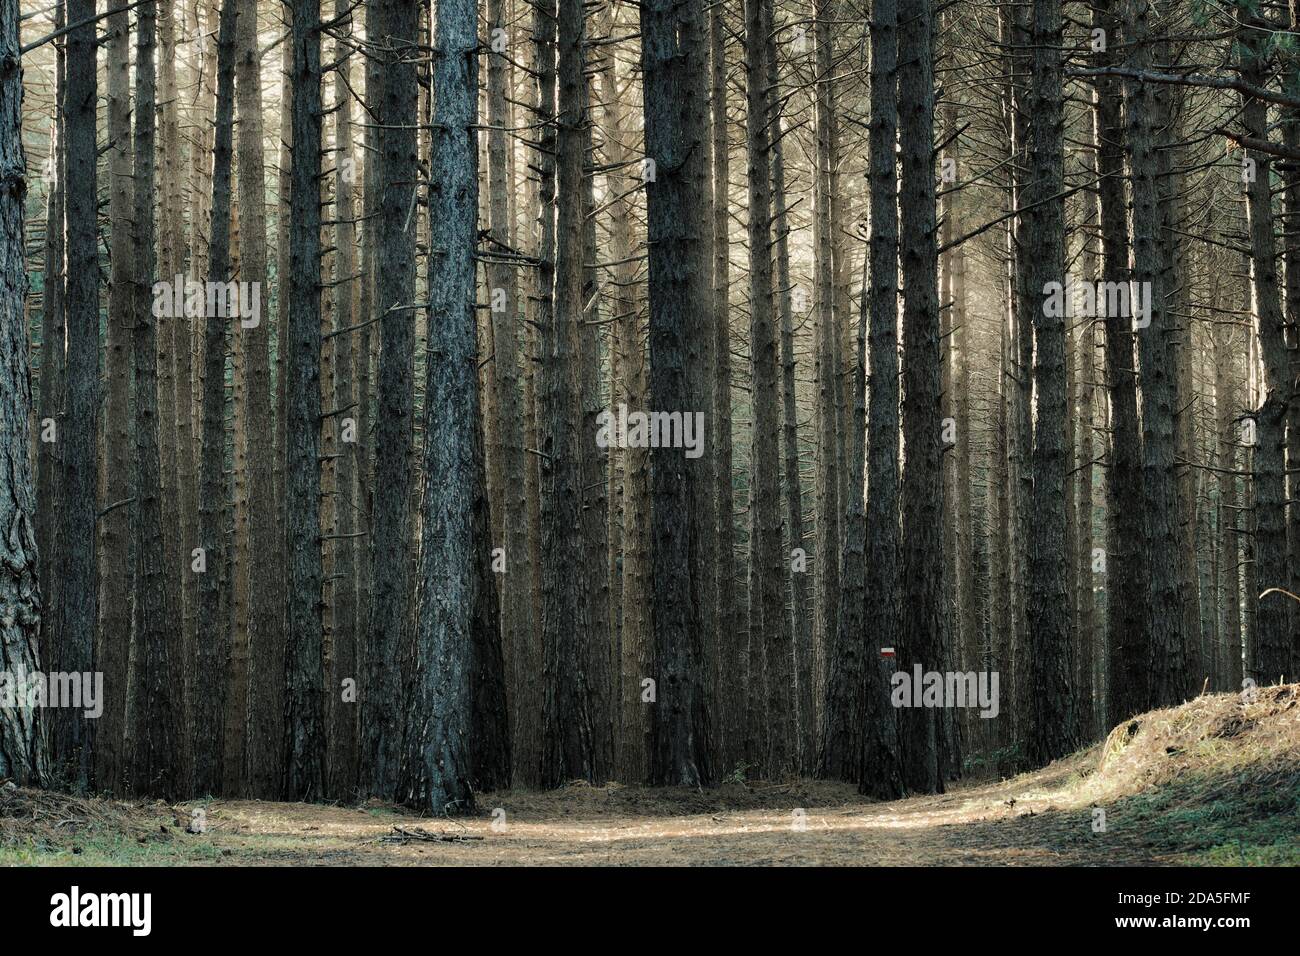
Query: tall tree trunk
(74, 638)
(448, 585)
(509, 455)
(53, 375)
(674, 130)
(826, 373)
(1052, 732)
(342, 762)
(304, 667)
(729, 730)
(153, 707)
(1125, 578)
(248, 709)
(922, 491)
(771, 714)
(881, 772)
(1164, 615)
(635, 653)
(1272, 659)
(801, 624)
(22, 757)
(381, 692)
(214, 640)
(115, 585)
(567, 751)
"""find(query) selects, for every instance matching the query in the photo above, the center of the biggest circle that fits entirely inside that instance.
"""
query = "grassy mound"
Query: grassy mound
(1218, 777)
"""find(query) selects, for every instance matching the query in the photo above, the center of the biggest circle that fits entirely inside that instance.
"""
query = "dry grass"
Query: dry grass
(1216, 780)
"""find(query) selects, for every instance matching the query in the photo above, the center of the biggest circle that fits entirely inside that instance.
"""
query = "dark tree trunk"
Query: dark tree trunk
(1126, 630)
(22, 757)
(448, 585)
(922, 488)
(669, 63)
(213, 650)
(115, 584)
(304, 666)
(1164, 615)
(381, 692)
(568, 716)
(73, 645)
(1052, 731)
(154, 706)
(1272, 658)
(881, 772)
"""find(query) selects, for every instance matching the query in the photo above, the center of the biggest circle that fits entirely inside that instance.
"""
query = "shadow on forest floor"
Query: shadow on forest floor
(1215, 781)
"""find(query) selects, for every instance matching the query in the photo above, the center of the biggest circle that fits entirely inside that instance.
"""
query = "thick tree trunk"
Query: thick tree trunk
(265, 649)
(213, 646)
(1052, 732)
(381, 691)
(881, 771)
(22, 757)
(448, 585)
(115, 584)
(73, 645)
(1160, 539)
(771, 715)
(153, 706)
(304, 667)
(674, 130)
(922, 490)
(1125, 578)
(1272, 658)
(567, 751)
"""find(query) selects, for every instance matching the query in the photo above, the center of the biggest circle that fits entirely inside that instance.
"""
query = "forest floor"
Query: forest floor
(1215, 781)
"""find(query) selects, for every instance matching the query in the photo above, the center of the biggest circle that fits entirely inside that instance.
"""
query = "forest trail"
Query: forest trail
(1214, 781)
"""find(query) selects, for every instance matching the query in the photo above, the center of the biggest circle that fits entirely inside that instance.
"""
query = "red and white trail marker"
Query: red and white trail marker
(886, 652)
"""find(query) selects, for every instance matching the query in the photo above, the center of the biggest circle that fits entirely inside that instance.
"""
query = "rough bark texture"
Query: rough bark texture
(448, 569)
(881, 772)
(115, 594)
(1272, 658)
(265, 648)
(1052, 731)
(1164, 614)
(213, 644)
(567, 744)
(729, 731)
(922, 490)
(670, 67)
(770, 713)
(1126, 634)
(304, 667)
(22, 757)
(381, 692)
(73, 644)
(153, 706)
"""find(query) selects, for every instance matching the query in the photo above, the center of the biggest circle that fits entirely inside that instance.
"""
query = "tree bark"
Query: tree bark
(304, 667)
(22, 756)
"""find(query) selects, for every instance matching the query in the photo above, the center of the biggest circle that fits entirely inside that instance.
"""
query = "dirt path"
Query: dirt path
(1033, 819)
